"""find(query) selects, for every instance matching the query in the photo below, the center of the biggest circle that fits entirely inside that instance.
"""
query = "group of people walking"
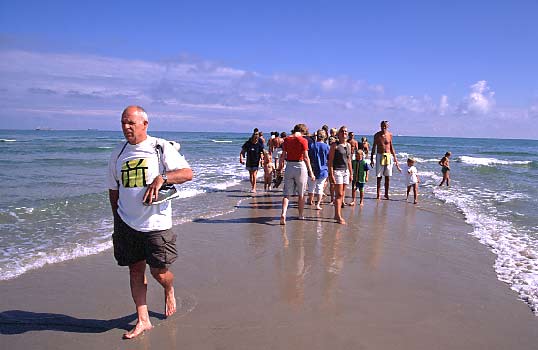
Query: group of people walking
(333, 154)
(310, 160)
(144, 167)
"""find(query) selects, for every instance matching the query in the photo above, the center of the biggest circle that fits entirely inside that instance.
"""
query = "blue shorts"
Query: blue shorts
(360, 186)
(252, 168)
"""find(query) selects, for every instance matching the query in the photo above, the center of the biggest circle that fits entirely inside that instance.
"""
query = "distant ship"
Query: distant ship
(43, 129)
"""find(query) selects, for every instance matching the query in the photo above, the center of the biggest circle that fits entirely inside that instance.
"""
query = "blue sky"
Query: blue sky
(459, 68)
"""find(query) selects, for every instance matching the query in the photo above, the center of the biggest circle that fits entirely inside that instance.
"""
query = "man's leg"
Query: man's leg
(378, 187)
(165, 278)
(311, 198)
(319, 199)
(253, 180)
(387, 182)
(139, 288)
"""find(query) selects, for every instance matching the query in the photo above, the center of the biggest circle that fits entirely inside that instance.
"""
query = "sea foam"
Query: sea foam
(490, 161)
(516, 263)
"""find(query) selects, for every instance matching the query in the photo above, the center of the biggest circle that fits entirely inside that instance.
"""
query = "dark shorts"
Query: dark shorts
(359, 185)
(158, 248)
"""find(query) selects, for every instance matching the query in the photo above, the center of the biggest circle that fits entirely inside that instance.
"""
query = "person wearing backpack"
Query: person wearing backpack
(142, 229)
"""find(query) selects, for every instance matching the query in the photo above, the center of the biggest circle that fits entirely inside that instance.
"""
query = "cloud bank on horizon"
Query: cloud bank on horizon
(77, 91)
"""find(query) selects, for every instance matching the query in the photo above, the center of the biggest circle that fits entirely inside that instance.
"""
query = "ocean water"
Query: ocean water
(54, 200)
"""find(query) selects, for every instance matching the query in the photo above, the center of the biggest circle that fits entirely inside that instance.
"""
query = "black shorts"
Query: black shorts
(158, 248)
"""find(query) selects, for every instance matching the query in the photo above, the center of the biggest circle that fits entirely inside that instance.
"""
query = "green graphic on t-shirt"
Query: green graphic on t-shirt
(133, 173)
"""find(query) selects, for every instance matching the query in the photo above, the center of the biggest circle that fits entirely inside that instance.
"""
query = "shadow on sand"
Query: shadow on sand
(18, 322)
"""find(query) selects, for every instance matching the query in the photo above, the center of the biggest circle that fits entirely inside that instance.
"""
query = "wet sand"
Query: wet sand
(398, 276)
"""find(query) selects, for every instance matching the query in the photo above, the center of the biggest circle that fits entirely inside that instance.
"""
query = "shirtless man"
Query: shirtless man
(275, 147)
(385, 157)
(354, 144)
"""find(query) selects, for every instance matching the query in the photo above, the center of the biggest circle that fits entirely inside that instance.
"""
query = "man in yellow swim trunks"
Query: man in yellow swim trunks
(385, 157)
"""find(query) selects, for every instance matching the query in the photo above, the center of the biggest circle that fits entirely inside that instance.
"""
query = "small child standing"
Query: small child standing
(412, 179)
(268, 170)
(445, 164)
(360, 177)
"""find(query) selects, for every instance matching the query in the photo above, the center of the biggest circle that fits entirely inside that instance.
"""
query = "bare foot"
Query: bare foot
(386, 198)
(415, 202)
(352, 204)
(318, 208)
(169, 303)
(282, 220)
(361, 204)
(140, 328)
(341, 221)
(301, 217)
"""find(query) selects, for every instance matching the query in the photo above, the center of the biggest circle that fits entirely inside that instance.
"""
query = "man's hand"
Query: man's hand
(152, 192)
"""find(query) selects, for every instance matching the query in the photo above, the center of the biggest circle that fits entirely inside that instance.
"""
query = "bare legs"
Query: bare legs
(415, 192)
(253, 174)
(320, 198)
(268, 180)
(353, 193)
(139, 288)
(285, 203)
(339, 198)
(165, 278)
(446, 177)
(331, 189)
(310, 198)
(387, 183)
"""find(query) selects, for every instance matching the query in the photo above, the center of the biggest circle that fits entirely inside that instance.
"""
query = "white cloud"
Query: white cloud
(197, 93)
(443, 105)
(91, 82)
(479, 101)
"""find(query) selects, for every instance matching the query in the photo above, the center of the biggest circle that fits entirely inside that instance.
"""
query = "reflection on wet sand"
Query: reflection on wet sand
(291, 267)
(333, 262)
(309, 257)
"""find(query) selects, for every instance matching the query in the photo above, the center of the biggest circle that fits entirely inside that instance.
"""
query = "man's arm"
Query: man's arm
(394, 155)
(113, 197)
(374, 147)
(176, 177)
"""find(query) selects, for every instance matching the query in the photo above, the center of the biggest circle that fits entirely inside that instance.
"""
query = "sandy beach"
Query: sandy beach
(397, 276)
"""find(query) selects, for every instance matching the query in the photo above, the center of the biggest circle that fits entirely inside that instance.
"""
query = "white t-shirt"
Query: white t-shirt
(131, 171)
(411, 174)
